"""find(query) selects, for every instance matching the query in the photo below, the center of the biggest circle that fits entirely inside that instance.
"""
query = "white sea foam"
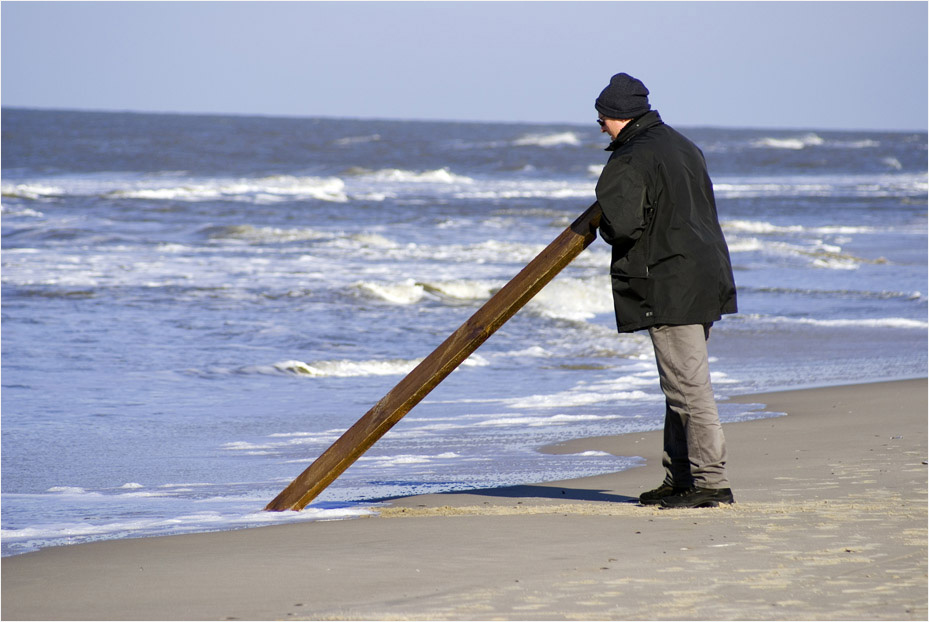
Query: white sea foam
(266, 189)
(836, 263)
(886, 322)
(373, 240)
(752, 226)
(876, 185)
(69, 490)
(543, 421)
(573, 298)
(352, 369)
(531, 351)
(290, 441)
(20, 211)
(893, 163)
(813, 140)
(437, 176)
(31, 191)
(355, 140)
(73, 532)
(769, 188)
(595, 170)
(254, 234)
(569, 399)
(564, 298)
(795, 142)
(148, 493)
(858, 185)
(175, 248)
(348, 369)
(600, 341)
(815, 252)
(462, 289)
(865, 143)
(411, 291)
(253, 448)
(745, 245)
(548, 140)
(23, 251)
(311, 436)
(404, 293)
(528, 189)
(379, 185)
(182, 188)
(622, 389)
(381, 462)
(718, 377)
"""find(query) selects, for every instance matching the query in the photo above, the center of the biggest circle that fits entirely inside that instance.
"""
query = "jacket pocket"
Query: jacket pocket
(634, 262)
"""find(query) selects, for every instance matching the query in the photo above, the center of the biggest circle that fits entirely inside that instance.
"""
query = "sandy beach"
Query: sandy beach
(830, 523)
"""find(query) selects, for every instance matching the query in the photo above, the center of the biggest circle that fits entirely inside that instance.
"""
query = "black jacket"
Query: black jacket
(670, 261)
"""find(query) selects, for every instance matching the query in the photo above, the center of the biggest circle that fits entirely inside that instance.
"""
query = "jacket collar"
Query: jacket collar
(636, 127)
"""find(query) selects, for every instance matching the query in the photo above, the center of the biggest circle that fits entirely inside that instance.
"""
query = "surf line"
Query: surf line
(440, 363)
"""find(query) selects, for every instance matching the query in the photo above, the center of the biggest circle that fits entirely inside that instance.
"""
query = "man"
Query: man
(671, 275)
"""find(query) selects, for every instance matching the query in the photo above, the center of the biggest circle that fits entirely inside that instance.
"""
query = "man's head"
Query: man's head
(623, 99)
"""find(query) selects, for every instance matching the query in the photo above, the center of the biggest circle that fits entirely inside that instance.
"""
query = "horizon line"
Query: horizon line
(440, 120)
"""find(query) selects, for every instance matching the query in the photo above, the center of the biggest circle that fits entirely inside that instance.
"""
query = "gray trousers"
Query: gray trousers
(694, 446)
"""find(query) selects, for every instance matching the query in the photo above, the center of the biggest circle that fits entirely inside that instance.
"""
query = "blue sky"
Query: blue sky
(820, 65)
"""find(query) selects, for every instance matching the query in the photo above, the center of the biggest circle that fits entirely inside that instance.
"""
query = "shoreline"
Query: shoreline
(829, 523)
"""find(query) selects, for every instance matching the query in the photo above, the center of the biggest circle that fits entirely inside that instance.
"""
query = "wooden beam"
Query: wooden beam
(440, 363)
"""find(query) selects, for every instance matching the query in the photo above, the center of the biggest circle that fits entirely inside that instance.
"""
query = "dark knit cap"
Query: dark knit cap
(625, 98)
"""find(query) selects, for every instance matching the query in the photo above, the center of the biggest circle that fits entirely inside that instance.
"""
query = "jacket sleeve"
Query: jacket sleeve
(621, 192)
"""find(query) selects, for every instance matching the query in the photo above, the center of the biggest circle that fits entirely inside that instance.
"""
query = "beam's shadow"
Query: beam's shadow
(549, 492)
(530, 491)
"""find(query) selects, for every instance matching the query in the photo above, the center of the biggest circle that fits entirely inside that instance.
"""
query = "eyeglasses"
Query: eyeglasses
(601, 122)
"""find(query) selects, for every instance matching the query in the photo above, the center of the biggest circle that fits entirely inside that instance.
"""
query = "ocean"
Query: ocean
(195, 307)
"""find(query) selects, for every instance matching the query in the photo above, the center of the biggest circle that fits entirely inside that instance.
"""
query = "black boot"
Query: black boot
(654, 497)
(699, 498)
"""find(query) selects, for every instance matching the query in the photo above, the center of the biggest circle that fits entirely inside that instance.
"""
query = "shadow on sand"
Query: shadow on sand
(540, 492)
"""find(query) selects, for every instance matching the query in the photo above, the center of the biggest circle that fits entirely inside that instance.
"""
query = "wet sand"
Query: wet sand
(830, 523)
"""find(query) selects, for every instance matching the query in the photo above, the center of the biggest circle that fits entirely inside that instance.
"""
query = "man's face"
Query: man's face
(612, 126)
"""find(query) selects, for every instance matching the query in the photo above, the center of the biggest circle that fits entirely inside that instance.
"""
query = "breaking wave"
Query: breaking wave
(816, 252)
(762, 227)
(347, 369)
(811, 139)
(564, 298)
(795, 142)
(437, 176)
(548, 140)
(267, 189)
(886, 185)
(160, 188)
(438, 184)
(885, 322)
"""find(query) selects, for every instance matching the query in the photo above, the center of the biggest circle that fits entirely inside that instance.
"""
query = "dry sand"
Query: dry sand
(830, 524)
